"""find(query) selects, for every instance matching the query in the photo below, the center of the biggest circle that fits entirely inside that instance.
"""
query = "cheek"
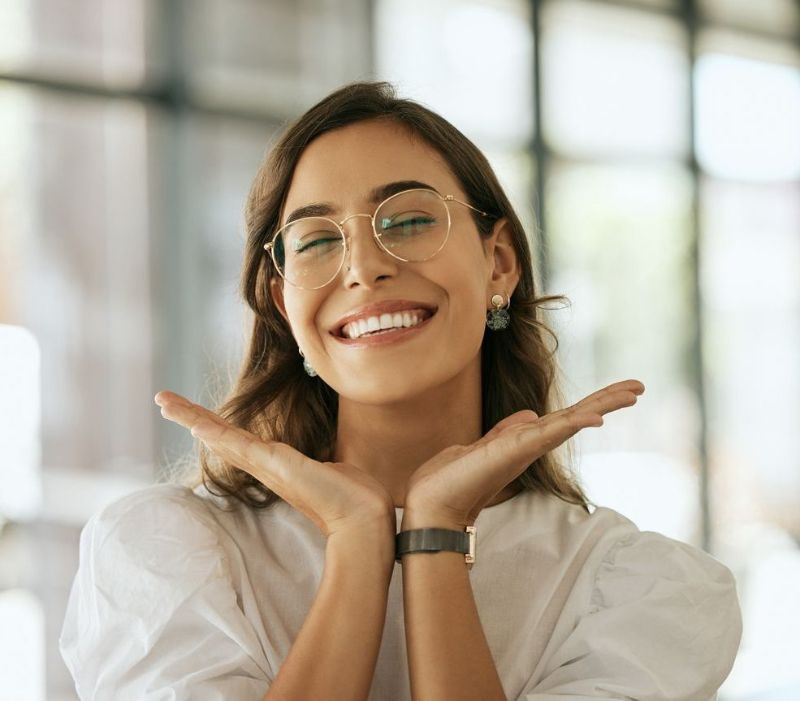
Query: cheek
(467, 317)
(301, 311)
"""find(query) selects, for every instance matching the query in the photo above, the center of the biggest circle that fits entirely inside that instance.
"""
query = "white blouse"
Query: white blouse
(177, 599)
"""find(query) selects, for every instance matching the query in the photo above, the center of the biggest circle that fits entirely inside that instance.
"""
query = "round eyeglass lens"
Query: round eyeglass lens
(309, 251)
(413, 225)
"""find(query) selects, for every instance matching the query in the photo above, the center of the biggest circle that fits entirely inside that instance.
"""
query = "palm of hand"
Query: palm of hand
(461, 480)
(335, 496)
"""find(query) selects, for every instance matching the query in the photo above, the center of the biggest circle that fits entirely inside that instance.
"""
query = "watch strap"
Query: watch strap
(437, 539)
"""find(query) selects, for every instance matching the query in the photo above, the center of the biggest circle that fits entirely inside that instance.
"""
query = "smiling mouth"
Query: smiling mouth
(422, 315)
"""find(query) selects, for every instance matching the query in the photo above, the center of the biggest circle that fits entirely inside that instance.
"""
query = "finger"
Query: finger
(552, 430)
(527, 442)
(606, 402)
(231, 443)
(633, 386)
(520, 417)
(532, 439)
(167, 397)
(182, 411)
(611, 398)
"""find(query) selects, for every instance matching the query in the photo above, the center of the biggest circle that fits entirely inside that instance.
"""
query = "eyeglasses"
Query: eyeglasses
(412, 226)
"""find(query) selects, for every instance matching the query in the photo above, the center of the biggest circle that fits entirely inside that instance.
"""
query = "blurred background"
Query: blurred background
(652, 147)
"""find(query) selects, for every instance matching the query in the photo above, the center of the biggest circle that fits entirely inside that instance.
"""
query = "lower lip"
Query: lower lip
(384, 338)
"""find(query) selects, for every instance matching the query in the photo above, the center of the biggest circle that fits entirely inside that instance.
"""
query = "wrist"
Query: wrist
(415, 518)
(431, 534)
(369, 543)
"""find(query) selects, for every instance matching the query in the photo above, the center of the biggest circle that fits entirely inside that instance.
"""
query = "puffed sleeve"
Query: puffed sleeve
(662, 623)
(152, 613)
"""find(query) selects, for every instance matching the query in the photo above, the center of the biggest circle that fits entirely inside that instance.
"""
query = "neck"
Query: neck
(390, 441)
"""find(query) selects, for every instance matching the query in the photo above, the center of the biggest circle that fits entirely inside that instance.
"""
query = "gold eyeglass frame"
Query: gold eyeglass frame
(340, 226)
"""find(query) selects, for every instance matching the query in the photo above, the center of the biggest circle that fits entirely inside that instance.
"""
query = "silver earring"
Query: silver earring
(498, 319)
(310, 371)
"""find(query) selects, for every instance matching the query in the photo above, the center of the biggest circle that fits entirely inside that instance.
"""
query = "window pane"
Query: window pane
(223, 157)
(751, 286)
(750, 236)
(618, 239)
(748, 114)
(198, 204)
(515, 171)
(277, 57)
(471, 62)
(614, 81)
(778, 16)
(20, 420)
(22, 645)
(79, 261)
(92, 41)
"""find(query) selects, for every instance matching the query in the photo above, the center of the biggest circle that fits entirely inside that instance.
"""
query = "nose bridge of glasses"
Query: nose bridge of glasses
(359, 245)
(370, 231)
(348, 218)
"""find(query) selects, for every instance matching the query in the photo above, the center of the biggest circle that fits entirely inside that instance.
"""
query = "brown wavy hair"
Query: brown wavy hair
(274, 398)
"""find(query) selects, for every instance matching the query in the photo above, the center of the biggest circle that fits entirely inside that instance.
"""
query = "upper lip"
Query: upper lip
(377, 308)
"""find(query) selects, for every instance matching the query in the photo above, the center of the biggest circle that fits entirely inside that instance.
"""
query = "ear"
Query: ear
(501, 260)
(276, 291)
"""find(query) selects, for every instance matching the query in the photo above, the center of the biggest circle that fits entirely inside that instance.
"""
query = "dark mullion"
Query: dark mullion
(538, 151)
(372, 30)
(679, 12)
(696, 296)
(178, 295)
(161, 96)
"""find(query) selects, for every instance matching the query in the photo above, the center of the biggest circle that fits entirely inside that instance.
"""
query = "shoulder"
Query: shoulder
(144, 555)
(613, 547)
(652, 615)
(626, 563)
(664, 615)
(152, 564)
(155, 509)
(165, 529)
(632, 560)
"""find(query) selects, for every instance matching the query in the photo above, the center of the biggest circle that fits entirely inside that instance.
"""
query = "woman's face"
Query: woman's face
(341, 168)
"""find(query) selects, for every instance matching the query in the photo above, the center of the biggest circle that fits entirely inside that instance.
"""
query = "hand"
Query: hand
(335, 496)
(451, 488)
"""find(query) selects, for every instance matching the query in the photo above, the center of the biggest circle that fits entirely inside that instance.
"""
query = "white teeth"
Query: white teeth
(386, 321)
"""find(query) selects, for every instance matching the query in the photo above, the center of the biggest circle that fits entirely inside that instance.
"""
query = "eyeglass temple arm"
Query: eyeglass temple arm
(450, 198)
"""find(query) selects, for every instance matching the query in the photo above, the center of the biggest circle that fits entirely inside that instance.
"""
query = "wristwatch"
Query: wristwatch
(436, 539)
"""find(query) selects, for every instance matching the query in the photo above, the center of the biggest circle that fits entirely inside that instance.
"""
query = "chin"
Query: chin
(382, 388)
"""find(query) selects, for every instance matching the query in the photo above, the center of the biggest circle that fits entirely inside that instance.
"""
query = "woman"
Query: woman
(397, 380)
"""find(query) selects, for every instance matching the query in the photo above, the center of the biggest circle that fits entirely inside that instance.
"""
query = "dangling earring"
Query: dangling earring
(311, 372)
(498, 318)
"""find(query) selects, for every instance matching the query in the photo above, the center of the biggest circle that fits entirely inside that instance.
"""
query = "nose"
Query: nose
(365, 261)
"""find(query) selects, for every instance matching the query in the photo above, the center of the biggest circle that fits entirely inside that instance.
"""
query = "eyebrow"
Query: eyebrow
(376, 195)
